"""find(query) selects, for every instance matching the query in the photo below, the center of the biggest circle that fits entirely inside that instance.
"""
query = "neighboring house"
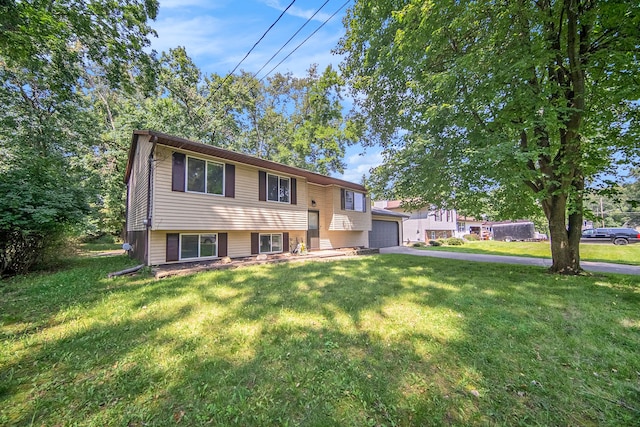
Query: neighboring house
(188, 201)
(424, 224)
(470, 225)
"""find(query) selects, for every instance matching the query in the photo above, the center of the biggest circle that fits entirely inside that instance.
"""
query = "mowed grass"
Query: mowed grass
(385, 340)
(604, 252)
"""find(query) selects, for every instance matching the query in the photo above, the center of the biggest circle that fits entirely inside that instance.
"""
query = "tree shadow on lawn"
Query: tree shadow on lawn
(375, 341)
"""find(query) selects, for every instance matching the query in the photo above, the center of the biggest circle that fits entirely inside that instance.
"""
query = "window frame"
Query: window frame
(206, 176)
(270, 243)
(215, 255)
(280, 179)
(353, 200)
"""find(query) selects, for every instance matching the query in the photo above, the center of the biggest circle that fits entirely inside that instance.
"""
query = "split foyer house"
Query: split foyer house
(188, 201)
(424, 224)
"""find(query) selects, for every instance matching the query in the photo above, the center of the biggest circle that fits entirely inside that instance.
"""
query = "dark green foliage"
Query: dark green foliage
(64, 37)
(52, 55)
(435, 243)
(38, 200)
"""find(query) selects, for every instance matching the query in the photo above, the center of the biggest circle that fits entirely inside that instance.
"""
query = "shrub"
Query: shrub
(454, 241)
(38, 203)
(418, 245)
(471, 237)
(435, 243)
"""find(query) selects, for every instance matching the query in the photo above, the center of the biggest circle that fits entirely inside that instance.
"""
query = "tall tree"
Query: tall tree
(52, 53)
(525, 102)
(62, 37)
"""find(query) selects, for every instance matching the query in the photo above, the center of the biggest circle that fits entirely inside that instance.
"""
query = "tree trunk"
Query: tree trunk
(565, 242)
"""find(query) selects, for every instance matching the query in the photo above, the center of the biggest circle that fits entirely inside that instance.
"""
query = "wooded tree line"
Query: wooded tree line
(619, 206)
(76, 82)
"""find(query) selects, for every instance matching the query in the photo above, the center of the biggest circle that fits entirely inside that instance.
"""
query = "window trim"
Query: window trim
(180, 258)
(280, 179)
(206, 175)
(271, 243)
(343, 196)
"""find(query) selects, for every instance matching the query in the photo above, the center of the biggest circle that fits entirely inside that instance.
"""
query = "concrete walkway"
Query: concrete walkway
(600, 267)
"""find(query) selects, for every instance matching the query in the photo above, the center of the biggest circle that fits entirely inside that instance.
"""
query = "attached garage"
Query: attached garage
(386, 228)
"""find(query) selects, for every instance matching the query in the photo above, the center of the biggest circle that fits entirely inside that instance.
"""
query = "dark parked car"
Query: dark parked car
(617, 236)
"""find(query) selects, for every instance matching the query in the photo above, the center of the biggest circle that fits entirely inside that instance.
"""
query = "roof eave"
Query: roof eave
(185, 144)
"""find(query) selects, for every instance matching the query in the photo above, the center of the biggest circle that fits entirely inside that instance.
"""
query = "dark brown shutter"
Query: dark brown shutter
(177, 178)
(222, 244)
(229, 180)
(342, 198)
(262, 185)
(285, 242)
(255, 243)
(173, 247)
(294, 191)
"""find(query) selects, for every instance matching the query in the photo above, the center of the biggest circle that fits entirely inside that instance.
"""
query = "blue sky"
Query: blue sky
(217, 34)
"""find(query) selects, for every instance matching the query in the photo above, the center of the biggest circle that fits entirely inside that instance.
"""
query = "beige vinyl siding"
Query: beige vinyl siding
(138, 186)
(238, 242)
(348, 220)
(174, 210)
(338, 228)
(346, 239)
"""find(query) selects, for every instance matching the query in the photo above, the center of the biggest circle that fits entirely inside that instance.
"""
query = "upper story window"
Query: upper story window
(204, 176)
(277, 188)
(353, 201)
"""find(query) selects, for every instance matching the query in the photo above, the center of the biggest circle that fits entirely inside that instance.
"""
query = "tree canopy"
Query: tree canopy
(50, 52)
(518, 105)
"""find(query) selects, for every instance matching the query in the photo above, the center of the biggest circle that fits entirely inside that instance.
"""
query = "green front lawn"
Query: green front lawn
(378, 340)
(629, 254)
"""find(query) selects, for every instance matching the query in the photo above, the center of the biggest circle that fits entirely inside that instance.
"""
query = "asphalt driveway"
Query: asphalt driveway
(600, 267)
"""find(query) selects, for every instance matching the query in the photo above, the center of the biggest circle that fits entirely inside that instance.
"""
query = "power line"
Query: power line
(291, 38)
(305, 40)
(248, 53)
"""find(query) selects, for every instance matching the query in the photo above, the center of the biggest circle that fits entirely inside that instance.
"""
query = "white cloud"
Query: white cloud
(201, 35)
(360, 164)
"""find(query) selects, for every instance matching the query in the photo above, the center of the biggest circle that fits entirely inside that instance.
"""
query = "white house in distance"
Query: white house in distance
(470, 225)
(425, 224)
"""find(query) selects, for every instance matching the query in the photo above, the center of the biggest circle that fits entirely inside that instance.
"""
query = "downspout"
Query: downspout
(154, 141)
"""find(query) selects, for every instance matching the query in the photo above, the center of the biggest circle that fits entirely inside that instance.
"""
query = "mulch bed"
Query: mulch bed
(187, 268)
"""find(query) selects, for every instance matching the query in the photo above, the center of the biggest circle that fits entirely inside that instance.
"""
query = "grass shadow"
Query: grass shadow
(380, 340)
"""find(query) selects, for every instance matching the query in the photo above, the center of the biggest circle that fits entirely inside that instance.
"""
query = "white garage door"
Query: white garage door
(384, 234)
